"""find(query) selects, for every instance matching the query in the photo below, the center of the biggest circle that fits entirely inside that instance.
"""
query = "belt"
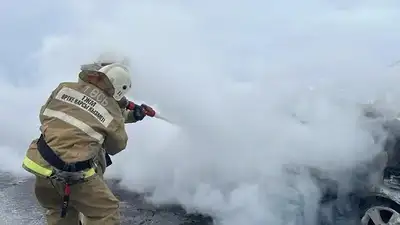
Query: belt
(51, 157)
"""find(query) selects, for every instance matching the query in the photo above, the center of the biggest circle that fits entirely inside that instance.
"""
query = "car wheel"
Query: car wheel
(380, 212)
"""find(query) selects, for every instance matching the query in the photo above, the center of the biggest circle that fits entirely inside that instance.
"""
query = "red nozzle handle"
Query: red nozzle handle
(130, 105)
(148, 110)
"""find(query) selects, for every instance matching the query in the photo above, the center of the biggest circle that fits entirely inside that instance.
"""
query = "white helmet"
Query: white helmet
(120, 78)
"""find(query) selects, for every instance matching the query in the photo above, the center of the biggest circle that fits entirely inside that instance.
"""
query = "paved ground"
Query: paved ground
(18, 207)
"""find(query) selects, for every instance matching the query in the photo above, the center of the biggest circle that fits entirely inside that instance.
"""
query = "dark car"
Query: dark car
(375, 195)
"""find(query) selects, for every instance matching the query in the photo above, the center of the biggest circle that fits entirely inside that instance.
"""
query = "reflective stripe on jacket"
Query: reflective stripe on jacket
(78, 121)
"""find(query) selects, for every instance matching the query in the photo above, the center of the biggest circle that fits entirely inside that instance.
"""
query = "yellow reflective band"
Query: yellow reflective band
(89, 173)
(36, 167)
(47, 172)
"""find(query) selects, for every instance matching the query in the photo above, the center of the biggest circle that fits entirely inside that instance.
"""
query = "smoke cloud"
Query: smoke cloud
(252, 87)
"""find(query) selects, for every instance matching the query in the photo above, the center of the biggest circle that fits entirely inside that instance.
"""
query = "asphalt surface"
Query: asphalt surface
(19, 207)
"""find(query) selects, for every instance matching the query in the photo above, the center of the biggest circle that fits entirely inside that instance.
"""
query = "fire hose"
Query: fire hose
(149, 111)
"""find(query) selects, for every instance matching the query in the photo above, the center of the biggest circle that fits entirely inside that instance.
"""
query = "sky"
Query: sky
(234, 77)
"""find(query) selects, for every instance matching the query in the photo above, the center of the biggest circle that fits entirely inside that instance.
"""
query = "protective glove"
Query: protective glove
(139, 112)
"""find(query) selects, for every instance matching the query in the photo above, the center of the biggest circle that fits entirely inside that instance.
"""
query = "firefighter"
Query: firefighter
(81, 124)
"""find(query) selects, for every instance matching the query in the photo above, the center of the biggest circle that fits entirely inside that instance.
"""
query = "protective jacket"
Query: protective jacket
(79, 121)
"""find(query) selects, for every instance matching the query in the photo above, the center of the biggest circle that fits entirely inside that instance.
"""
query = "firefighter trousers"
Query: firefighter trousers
(92, 198)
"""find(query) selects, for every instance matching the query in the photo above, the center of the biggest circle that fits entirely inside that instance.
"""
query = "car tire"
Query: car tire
(380, 212)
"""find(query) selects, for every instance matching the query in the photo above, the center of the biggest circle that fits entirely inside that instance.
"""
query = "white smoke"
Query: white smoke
(236, 78)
